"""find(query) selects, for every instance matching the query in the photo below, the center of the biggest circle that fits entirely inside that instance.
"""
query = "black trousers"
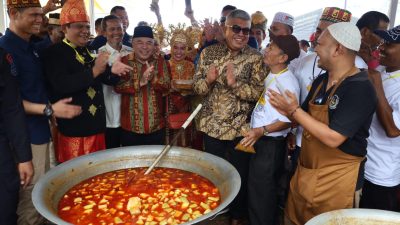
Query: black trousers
(266, 167)
(113, 137)
(9, 193)
(379, 197)
(131, 139)
(240, 160)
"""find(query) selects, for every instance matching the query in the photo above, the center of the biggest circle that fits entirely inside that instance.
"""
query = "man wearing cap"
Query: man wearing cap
(79, 75)
(142, 92)
(282, 24)
(307, 69)
(382, 169)
(112, 27)
(25, 21)
(230, 77)
(258, 27)
(54, 35)
(369, 50)
(269, 129)
(336, 117)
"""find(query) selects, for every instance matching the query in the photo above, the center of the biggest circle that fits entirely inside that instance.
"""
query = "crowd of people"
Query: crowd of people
(311, 126)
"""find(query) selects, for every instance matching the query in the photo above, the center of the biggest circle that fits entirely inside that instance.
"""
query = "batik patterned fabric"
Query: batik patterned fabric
(142, 108)
(225, 110)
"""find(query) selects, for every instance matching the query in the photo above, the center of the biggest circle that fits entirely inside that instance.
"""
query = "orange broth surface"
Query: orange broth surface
(165, 196)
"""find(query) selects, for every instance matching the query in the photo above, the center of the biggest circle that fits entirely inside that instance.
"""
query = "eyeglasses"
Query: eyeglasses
(376, 47)
(236, 29)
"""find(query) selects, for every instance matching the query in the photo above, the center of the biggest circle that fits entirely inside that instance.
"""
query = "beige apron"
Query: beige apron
(325, 178)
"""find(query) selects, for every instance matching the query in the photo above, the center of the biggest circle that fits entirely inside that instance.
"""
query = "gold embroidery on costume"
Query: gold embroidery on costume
(92, 109)
(91, 93)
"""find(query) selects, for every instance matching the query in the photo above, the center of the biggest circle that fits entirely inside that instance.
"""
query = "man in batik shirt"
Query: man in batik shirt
(230, 77)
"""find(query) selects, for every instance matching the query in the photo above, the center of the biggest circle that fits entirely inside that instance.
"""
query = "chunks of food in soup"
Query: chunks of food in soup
(166, 196)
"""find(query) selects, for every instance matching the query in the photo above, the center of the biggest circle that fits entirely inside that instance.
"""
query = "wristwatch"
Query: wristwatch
(48, 110)
(266, 132)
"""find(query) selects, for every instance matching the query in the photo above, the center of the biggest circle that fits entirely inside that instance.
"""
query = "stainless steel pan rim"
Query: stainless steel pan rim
(52, 186)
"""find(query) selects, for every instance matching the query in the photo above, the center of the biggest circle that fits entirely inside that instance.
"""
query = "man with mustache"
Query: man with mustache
(78, 74)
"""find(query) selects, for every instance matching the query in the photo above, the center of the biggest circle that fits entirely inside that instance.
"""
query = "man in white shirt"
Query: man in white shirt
(268, 132)
(113, 30)
(382, 169)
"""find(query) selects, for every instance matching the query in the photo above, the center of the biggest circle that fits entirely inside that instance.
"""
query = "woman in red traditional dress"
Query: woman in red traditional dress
(182, 72)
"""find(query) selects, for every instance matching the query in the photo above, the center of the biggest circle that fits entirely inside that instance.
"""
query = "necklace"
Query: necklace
(261, 100)
(78, 56)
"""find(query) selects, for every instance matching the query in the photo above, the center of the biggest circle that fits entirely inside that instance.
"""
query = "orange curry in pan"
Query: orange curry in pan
(166, 196)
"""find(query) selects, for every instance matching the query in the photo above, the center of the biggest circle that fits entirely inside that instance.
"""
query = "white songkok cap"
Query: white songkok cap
(347, 34)
(284, 18)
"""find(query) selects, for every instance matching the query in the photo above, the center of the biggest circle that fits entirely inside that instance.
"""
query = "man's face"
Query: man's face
(383, 25)
(236, 38)
(389, 55)
(325, 49)
(78, 33)
(279, 29)
(44, 27)
(123, 16)
(179, 51)
(27, 21)
(143, 48)
(371, 42)
(56, 34)
(224, 14)
(114, 32)
(258, 34)
(322, 25)
(273, 55)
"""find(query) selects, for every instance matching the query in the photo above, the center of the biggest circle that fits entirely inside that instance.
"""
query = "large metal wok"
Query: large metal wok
(50, 188)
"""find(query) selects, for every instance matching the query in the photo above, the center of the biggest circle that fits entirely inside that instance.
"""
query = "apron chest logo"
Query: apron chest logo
(334, 102)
